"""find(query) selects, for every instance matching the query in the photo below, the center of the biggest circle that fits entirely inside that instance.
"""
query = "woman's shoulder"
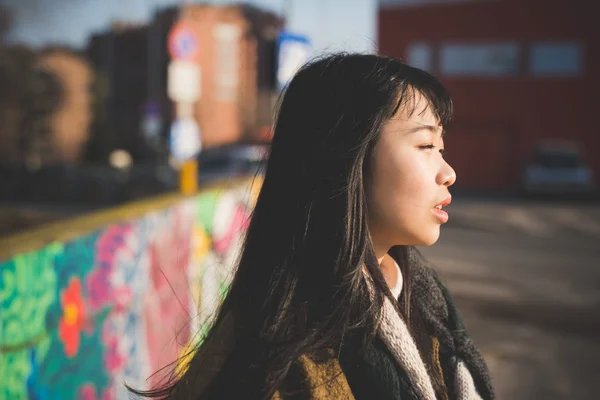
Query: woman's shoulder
(311, 376)
(434, 302)
(429, 295)
(315, 376)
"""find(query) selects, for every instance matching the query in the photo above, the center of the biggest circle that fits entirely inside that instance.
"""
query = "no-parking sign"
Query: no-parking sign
(183, 43)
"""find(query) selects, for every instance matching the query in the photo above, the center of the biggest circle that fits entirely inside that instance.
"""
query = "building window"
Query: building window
(483, 59)
(420, 55)
(556, 59)
(227, 37)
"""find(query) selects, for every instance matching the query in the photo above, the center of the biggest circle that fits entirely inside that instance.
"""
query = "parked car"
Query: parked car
(558, 169)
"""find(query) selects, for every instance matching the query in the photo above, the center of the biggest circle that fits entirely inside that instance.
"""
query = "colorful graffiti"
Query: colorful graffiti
(77, 319)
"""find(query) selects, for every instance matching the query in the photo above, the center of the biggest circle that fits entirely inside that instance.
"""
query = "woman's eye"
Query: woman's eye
(431, 147)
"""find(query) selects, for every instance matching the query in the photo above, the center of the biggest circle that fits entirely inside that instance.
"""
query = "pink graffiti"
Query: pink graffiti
(108, 245)
(88, 392)
(113, 359)
(98, 281)
(167, 311)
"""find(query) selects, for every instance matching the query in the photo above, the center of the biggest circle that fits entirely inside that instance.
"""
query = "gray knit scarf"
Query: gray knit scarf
(396, 336)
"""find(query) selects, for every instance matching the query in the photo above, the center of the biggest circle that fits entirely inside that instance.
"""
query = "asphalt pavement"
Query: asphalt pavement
(526, 277)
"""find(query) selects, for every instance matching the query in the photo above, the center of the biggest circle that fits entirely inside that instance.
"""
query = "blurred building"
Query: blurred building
(45, 109)
(520, 72)
(237, 80)
(130, 63)
(70, 123)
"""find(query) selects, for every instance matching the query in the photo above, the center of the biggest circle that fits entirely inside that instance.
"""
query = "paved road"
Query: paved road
(527, 280)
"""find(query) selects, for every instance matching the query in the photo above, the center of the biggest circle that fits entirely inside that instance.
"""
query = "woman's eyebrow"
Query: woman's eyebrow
(431, 128)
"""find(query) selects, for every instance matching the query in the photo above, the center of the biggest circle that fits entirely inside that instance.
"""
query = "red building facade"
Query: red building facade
(520, 72)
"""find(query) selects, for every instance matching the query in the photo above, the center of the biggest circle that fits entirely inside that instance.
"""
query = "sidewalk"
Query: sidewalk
(531, 218)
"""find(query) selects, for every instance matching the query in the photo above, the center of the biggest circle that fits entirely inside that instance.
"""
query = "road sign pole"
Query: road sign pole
(188, 171)
(188, 168)
(188, 177)
(184, 90)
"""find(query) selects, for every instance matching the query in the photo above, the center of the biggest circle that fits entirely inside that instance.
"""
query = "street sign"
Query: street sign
(183, 43)
(184, 81)
(293, 51)
(184, 140)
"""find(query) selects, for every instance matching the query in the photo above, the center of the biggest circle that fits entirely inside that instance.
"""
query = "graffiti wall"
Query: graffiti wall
(80, 318)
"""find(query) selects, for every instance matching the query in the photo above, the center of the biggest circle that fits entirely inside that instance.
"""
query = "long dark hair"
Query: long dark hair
(299, 287)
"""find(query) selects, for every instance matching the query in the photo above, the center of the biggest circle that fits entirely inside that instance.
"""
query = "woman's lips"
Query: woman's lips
(441, 215)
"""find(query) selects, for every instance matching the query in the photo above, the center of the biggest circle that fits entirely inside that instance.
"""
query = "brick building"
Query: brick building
(237, 58)
(520, 72)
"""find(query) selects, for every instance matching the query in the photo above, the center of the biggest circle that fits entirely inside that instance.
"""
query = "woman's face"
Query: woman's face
(409, 181)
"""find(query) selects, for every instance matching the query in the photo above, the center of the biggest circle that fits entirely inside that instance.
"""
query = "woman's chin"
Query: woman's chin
(427, 238)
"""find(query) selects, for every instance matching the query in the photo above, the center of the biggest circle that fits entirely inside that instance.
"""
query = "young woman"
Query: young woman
(330, 299)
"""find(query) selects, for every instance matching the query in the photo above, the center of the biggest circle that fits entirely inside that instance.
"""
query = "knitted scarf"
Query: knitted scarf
(396, 336)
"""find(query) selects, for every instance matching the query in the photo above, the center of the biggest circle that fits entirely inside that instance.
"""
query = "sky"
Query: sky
(330, 24)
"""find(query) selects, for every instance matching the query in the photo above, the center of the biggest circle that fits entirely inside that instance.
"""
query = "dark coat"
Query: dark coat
(374, 374)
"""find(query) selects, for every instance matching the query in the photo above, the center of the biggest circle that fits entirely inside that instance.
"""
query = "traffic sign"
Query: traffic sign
(183, 42)
(293, 52)
(184, 140)
(184, 81)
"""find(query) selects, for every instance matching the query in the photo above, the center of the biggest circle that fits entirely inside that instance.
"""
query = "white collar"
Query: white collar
(397, 288)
